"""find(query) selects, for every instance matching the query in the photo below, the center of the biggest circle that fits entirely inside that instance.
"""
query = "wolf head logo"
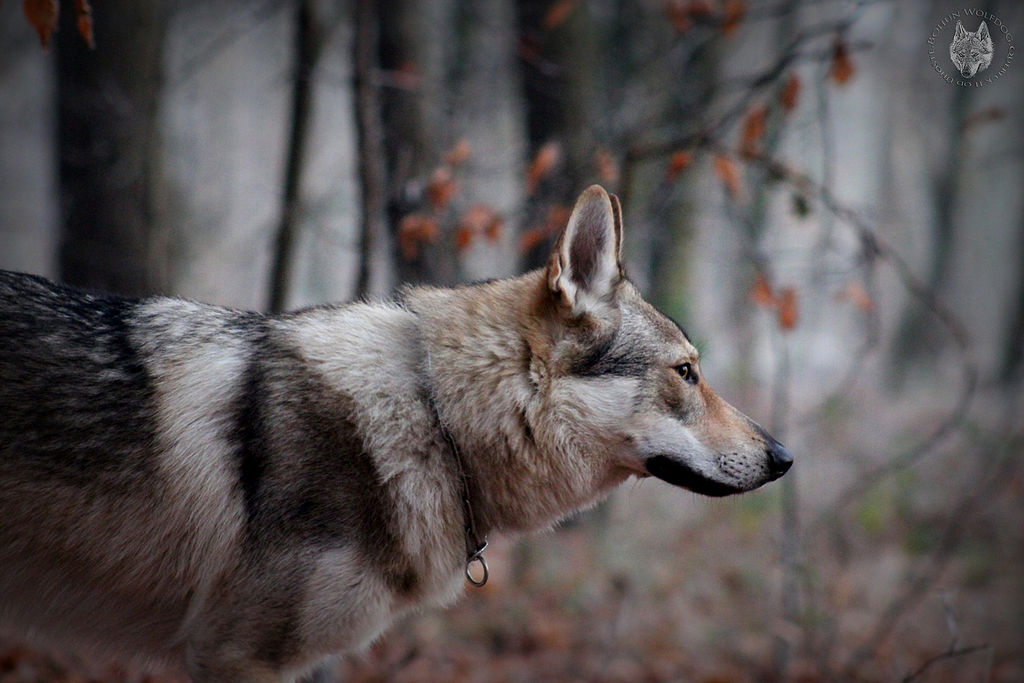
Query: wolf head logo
(971, 52)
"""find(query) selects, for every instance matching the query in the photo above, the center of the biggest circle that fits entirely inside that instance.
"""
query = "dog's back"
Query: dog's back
(79, 485)
(176, 479)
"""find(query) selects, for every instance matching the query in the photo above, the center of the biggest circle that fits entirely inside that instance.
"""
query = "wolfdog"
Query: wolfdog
(971, 52)
(239, 495)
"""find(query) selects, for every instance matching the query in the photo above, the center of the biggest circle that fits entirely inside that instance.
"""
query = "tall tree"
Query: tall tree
(108, 134)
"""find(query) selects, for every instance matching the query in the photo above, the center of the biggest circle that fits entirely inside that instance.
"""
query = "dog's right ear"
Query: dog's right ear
(960, 31)
(585, 268)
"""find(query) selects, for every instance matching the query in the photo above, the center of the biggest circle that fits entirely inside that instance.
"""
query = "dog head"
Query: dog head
(626, 378)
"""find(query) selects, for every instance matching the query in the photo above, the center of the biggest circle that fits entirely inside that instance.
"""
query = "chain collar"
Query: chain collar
(474, 545)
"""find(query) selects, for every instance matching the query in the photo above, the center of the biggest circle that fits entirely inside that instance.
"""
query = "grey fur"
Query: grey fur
(241, 495)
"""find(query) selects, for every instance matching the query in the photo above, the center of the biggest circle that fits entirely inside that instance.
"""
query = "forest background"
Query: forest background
(808, 185)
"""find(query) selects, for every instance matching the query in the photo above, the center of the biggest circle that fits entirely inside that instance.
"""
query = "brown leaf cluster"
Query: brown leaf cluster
(460, 153)
(442, 187)
(557, 14)
(678, 163)
(728, 171)
(842, 68)
(732, 16)
(414, 230)
(43, 15)
(754, 128)
(478, 221)
(684, 14)
(789, 97)
(782, 301)
(556, 218)
(427, 225)
(544, 162)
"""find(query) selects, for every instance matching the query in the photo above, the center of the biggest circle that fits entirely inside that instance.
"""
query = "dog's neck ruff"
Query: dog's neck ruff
(474, 545)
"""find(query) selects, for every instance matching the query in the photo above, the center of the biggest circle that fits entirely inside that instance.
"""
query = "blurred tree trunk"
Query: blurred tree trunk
(28, 212)
(330, 264)
(917, 339)
(308, 30)
(1013, 344)
(417, 50)
(489, 114)
(375, 249)
(562, 69)
(108, 132)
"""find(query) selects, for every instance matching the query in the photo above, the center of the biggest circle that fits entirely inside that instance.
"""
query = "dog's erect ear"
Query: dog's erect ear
(982, 33)
(585, 268)
(960, 31)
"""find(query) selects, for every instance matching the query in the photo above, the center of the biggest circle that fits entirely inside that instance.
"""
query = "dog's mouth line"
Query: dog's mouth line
(677, 473)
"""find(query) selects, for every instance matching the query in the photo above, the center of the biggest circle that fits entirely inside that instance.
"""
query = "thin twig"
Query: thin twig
(371, 142)
(877, 247)
(948, 654)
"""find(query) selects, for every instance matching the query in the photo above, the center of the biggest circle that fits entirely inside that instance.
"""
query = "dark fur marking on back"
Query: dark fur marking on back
(312, 477)
(252, 452)
(70, 378)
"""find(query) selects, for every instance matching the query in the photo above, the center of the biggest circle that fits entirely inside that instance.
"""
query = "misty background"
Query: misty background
(839, 228)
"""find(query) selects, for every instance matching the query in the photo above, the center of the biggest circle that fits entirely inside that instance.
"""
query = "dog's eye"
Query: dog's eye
(687, 372)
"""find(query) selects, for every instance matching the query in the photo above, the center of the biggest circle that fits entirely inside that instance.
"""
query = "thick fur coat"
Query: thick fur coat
(240, 495)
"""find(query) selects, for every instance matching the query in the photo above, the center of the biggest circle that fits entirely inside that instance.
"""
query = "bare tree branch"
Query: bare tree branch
(876, 247)
(948, 654)
(372, 154)
(307, 49)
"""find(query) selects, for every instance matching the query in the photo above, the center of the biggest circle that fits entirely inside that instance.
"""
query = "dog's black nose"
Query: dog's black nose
(779, 459)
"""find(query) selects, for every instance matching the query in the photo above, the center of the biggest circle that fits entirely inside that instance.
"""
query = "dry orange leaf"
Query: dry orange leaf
(701, 8)
(494, 229)
(442, 187)
(729, 173)
(459, 154)
(857, 294)
(557, 14)
(84, 12)
(790, 94)
(678, 13)
(42, 14)
(678, 163)
(753, 130)
(788, 313)
(412, 231)
(543, 163)
(733, 15)
(762, 293)
(464, 237)
(478, 219)
(842, 69)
